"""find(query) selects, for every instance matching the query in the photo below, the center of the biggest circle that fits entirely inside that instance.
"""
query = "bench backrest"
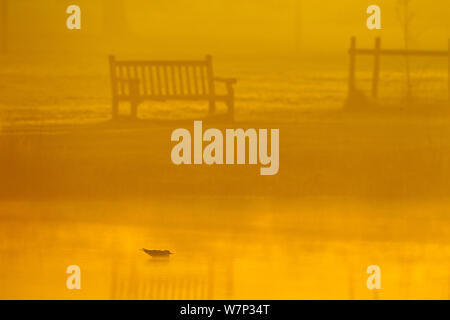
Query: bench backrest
(162, 79)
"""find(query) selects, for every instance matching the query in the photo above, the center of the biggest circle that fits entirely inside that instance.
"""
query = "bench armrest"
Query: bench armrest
(226, 80)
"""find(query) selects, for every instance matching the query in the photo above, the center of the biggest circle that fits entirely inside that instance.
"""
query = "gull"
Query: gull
(157, 253)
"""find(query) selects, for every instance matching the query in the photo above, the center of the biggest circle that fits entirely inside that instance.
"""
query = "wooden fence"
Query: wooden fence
(377, 52)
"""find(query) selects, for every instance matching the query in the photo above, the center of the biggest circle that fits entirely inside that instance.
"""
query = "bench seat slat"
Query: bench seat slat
(166, 82)
(188, 80)
(150, 76)
(174, 80)
(144, 80)
(180, 80)
(158, 80)
(203, 80)
(195, 76)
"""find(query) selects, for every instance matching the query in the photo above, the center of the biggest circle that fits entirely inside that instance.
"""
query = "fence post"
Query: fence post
(376, 68)
(113, 79)
(351, 75)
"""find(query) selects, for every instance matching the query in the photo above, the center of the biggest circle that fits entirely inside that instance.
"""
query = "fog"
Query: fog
(359, 183)
(232, 27)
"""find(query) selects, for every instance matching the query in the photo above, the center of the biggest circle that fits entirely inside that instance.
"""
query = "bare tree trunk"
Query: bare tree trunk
(3, 26)
(406, 18)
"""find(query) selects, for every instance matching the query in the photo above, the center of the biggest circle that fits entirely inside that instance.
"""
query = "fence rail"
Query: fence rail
(377, 52)
(391, 52)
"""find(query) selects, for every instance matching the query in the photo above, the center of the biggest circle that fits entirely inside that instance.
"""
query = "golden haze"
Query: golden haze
(356, 187)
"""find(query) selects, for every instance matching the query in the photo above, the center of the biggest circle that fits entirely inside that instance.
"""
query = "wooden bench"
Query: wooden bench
(138, 81)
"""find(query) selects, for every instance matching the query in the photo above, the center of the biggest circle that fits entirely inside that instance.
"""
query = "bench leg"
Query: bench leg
(115, 109)
(134, 97)
(212, 106)
(134, 106)
(230, 105)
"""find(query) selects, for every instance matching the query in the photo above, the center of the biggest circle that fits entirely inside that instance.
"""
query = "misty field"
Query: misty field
(54, 89)
(355, 187)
